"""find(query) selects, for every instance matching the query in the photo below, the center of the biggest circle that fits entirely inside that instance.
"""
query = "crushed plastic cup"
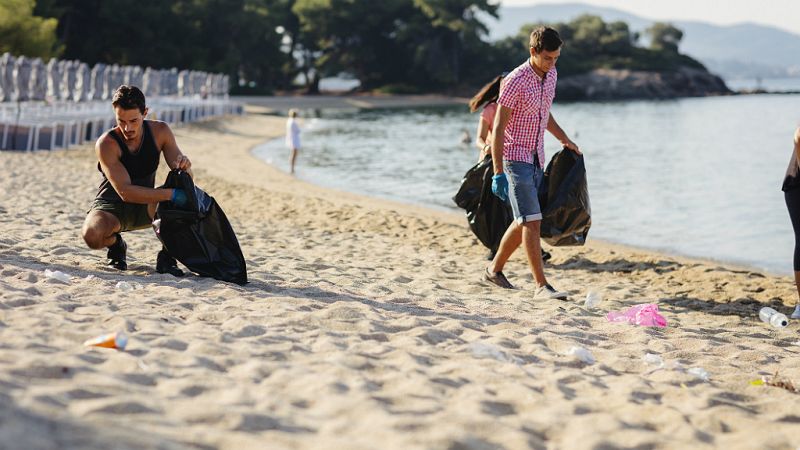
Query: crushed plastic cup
(653, 360)
(581, 354)
(593, 298)
(699, 373)
(124, 286)
(117, 340)
(57, 275)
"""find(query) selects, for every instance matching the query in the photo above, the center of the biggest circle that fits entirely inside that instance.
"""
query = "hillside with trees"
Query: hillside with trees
(397, 46)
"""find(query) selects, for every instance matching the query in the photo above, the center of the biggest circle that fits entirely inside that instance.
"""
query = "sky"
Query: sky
(784, 14)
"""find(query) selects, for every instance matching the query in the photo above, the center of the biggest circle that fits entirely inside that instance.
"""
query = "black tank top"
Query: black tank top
(141, 166)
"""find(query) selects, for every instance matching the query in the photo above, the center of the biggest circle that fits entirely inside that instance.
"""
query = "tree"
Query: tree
(664, 36)
(22, 33)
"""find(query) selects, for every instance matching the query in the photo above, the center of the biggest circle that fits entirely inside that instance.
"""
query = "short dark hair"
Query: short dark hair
(129, 97)
(545, 38)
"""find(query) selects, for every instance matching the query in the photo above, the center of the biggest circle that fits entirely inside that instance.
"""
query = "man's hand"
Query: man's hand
(500, 186)
(179, 197)
(183, 163)
(571, 145)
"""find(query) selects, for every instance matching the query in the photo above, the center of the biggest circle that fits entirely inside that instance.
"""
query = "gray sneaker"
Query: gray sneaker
(548, 291)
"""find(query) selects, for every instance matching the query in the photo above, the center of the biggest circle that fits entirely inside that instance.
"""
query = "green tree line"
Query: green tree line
(400, 46)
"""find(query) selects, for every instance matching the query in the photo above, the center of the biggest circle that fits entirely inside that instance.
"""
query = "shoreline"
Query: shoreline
(458, 218)
(365, 324)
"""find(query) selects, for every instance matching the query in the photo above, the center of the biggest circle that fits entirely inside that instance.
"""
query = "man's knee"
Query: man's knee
(93, 237)
(533, 225)
(95, 232)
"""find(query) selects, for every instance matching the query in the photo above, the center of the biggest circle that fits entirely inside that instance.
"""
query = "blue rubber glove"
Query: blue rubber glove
(500, 186)
(179, 197)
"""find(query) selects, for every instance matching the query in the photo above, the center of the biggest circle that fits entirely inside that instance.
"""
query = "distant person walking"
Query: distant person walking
(523, 114)
(791, 191)
(292, 137)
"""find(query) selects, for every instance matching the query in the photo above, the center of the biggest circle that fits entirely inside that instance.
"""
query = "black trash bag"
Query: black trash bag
(488, 216)
(198, 234)
(564, 198)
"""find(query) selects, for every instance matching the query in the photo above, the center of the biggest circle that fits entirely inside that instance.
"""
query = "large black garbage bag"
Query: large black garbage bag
(198, 234)
(488, 216)
(564, 197)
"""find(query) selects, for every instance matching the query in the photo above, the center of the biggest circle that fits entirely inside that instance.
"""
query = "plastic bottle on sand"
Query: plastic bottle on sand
(772, 317)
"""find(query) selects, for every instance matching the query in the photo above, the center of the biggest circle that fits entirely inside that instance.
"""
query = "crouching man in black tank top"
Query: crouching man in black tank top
(128, 158)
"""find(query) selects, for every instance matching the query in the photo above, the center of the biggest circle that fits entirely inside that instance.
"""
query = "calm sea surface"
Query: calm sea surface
(698, 177)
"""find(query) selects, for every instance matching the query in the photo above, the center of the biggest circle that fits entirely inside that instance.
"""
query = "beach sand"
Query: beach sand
(365, 325)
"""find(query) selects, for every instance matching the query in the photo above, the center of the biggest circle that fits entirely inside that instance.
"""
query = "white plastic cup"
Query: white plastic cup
(593, 298)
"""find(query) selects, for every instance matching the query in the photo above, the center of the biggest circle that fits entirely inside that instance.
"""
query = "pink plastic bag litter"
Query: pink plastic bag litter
(645, 315)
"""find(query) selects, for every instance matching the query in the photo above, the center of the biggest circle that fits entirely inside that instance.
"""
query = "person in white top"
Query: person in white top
(292, 137)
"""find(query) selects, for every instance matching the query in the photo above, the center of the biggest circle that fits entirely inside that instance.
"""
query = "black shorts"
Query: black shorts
(131, 216)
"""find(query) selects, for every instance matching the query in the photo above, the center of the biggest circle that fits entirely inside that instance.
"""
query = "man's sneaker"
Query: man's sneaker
(165, 263)
(548, 291)
(497, 278)
(117, 254)
(546, 255)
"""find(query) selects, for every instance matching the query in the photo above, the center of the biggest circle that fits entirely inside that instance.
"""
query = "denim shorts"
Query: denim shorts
(524, 181)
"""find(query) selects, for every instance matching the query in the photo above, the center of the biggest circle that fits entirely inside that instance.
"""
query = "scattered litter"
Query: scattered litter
(653, 360)
(772, 317)
(582, 354)
(57, 275)
(90, 277)
(116, 340)
(699, 373)
(778, 381)
(593, 298)
(124, 286)
(759, 382)
(646, 315)
(484, 350)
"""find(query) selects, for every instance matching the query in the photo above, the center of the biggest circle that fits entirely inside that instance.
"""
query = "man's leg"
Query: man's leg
(101, 229)
(508, 245)
(533, 250)
(165, 263)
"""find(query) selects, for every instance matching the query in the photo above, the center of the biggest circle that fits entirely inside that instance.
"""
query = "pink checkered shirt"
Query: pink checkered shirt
(530, 98)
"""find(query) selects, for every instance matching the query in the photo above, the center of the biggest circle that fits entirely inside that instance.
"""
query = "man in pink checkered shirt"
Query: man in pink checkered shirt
(523, 114)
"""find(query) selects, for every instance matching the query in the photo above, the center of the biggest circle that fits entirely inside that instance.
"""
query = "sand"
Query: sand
(365, 325)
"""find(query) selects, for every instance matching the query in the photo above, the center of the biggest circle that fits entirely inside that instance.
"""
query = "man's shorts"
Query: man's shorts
(131, 216)
(524, 181)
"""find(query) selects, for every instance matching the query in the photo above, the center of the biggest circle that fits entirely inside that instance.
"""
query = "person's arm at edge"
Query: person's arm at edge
(108, 156)
(481, 135)
(173, 156)
(501, 119)
(555, 130)
(797, 143)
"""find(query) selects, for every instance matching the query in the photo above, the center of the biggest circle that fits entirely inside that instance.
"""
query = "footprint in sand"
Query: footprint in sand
(123, 408)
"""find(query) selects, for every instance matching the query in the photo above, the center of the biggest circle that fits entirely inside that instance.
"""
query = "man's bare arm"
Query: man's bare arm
(108, 154)
(555, 130)
(501, 118)
(173, 156)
